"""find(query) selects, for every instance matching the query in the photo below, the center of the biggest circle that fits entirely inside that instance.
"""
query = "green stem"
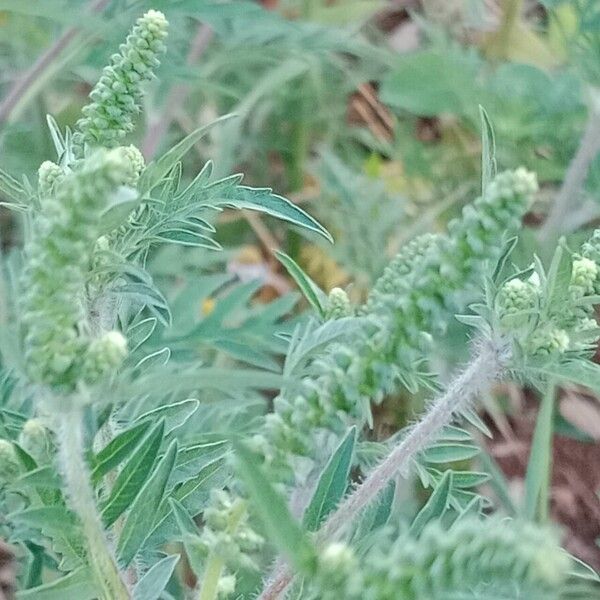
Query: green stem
(212, 575)
(209, 590)
(83, 502)
(537, 480)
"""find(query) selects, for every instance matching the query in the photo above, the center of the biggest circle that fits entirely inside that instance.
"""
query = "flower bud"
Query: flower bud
(583, 277)
(338, 304)
(49, 174)
(37, 441)
(104, 356)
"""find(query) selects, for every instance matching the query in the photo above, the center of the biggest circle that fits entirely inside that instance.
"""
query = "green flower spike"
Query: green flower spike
(117, 96)
(473, 559)
(57, 262)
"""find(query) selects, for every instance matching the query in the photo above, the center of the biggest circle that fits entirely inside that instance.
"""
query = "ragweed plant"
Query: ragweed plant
(84, 292)
(134, 427)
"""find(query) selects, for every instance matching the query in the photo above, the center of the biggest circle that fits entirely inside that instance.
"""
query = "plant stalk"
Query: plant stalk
(539, 468)
(215, 564)
(484, 369)
(82, 500)
(212, 575)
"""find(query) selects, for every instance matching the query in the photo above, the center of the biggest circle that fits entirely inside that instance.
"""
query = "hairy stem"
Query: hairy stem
(83, 502)
(483, 370)
(567, 198)
(477, 377)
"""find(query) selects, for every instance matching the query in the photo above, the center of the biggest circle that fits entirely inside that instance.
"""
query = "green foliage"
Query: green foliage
(153, 404)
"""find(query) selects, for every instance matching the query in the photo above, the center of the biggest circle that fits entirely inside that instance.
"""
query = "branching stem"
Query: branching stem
(485, 368)
(83, 502)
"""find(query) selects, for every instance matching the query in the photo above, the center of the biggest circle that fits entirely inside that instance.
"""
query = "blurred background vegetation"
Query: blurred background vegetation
(366, 113)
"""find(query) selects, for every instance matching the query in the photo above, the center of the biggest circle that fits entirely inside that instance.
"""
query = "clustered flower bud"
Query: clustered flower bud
(115, 100)
(583, 277)
(515, 299)
(390, 282)
(36, 440)
(559, 326)
(227, 532)
(57, 261)
(338, 304)
(49, 174)
(550, 340)
(494, 557)
(477, 236)
(104, 355)
(135, 160)
(338, 573)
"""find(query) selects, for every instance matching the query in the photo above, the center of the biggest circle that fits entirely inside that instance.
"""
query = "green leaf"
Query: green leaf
(273, 512)
(154, 581)
(77, 584)
(265, 201)
(60, 525)
(43, 477)
(537, 477)
(142, 515)
(445, 453)
(157, 170)
(58, 139)
(190, 536)
(16, 196)
(188, 237)
(376, 515)
(559, 278)
(580, 372)
(507, 250)
(147, 295)
(312, 292)
(436, 506)
(192, 459)
(24, 457)
(117, 450)
(131, 479)
(488, 150)
(193, 495)
(581, 570)
(174, 415)
(332, 483)
(463, 479)
(137, 334)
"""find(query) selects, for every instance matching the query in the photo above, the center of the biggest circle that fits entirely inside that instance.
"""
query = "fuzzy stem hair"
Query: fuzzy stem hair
(82, 500)
(487, 366)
